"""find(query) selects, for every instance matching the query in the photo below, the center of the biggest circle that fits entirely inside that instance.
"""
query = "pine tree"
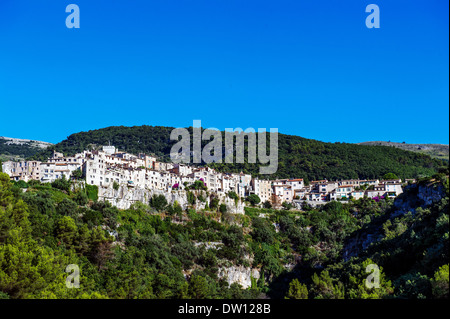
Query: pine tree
(297, 290)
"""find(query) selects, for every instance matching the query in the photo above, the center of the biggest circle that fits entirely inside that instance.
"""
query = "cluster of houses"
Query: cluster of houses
(109, 167)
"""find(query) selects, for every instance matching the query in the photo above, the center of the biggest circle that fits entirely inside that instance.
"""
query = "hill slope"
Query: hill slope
(19, 149)
(298, 157)
(440, 151)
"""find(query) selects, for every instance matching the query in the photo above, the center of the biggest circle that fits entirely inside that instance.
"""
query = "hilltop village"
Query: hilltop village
(118, 174)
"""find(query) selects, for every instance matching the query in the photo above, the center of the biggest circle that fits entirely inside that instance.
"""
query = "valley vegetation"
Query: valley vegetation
(156, 250)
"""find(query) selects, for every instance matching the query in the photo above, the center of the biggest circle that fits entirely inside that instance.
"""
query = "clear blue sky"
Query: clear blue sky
(307, 67)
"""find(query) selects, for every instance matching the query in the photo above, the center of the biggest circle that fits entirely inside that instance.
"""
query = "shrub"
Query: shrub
(92, 192)
(267, 204)
(223, 208)
(62, 184)
(254, 199)
(158, 202)
(233, 195)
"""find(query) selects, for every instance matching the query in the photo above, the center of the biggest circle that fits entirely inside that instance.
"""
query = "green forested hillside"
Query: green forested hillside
(136, 139)
(298, 157)
(411, 249)
(152, 251)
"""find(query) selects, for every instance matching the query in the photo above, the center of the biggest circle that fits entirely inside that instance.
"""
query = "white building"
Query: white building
(283, 192)
(344, 191)
(262, 188)
(24, 170)
(296, 183)
(393, 189)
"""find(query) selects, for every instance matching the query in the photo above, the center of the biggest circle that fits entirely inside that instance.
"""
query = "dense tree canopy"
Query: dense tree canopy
(165, 252)
(298, 157)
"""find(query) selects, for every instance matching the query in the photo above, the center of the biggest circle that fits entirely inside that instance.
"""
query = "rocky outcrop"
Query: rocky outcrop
(360, 242)
(232, 207)
(238, 274)
(124, 196)
(430, 194)
(416, 196)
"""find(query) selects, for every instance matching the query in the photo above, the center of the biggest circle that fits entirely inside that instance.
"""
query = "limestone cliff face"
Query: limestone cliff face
(414, 196)
(360, 242)
(125, 196)
(238, 274)
(431, 194)
(232, 207)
